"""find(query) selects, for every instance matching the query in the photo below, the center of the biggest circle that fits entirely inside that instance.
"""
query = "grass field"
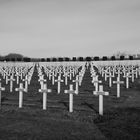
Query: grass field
(121, 119)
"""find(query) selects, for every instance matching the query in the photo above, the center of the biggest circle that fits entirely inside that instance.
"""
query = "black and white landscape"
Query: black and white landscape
(69, 70)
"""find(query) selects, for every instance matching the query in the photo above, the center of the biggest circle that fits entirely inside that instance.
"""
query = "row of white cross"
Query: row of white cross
(43, 89)
(21, 72)
(71, 91)
(68, 70)
(110, 71)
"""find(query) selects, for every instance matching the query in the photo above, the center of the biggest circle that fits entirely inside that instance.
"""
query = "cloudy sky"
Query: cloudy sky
(45, 28)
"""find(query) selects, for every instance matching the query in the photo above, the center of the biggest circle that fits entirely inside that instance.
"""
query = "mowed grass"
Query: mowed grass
(121, 119)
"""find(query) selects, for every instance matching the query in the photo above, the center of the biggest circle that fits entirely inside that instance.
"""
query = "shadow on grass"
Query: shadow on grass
(3, 99)
(120, 124)
(91, 106)
(65, 104)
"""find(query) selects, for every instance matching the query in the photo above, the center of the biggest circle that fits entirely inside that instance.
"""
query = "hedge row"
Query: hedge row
(60, 59)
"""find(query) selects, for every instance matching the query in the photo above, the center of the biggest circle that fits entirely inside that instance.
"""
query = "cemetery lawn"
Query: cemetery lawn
(121, 119)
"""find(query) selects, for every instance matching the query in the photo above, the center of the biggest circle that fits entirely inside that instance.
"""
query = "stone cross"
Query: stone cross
(80, 76)
(17, 75)
(58, 85)
(106, 75)
(133, 77)
(136, 72)
(7, 79)
(87, 65)
(70, 92)
(50, 75)
(1, 89)
(103, 71)
(11, 83)
(60, 72)
(93, 75)
(45, 90)
(101, 93)
(46, 71)
(26, 82)
(3, 73)
(21, 90)
(29, 78)
(113, 71)
(73, 71)
(118, 82)
(70, 72)
(53, 74)
(124, 71)
(127, 80)
(77, 84)
(118, 72)
(21, 75)
(96, 82)
(42, 80)
(66, 75)
(110, 79)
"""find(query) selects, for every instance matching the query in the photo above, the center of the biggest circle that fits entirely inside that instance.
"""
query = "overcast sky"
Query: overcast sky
(45, 28)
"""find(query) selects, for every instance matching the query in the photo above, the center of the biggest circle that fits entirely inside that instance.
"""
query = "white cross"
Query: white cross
(60, 72)
(113, 71)
(58, 85)
(1, 89)
(127, 80)
(7, 78)
(77, 82)
(136, 72)
(101, 93)
(80, 76)
(93, 75)
(133, 72)
(17, 75)
(73, 71)
(21, 90)
(70, 73)
(26, 82)
(110, 79)
(70, 92)
(53, 74)
(42, 80)
(21, 74)
(11, 83)
(118, 72)
(66, 75)
(49, 74)
(106, 75)
(44, 90)
(124, 72)
(96, 82)
(118, 82)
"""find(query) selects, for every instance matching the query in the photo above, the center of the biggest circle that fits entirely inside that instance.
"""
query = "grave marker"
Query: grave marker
(45, 90)
(127, 80)
(66, 75)
(110, 79)
(100, 93)
(21, 90)
(11, 83)
(118, 82)
(1, 89)
(26, 82)
(96, 82)
(70, 92)
(42, 80)
(77, 84)
(58, 84)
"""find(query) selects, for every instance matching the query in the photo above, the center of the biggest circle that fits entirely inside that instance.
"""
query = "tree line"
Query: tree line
(20, 58)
